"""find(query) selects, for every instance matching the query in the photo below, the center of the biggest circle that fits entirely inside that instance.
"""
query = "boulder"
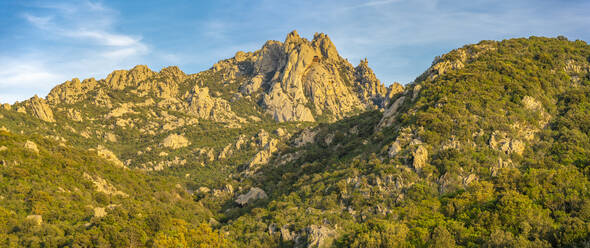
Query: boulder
(319, 236)
(104, 186)
(281, 132)
(420, 157)
(110, 137)
(175, 141)
(391, 112)
(254, 194)
(305, 137)
(40, 109)
(264, 155)
(36, 219)
(501, 142)
(99, 212)
(105, 153)
(203, 190)
(394, 149)
(31, 146)
(74, 115)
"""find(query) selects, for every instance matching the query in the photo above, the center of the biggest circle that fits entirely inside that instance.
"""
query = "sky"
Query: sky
(45, 43)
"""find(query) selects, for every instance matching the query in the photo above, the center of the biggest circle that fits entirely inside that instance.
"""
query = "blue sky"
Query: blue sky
(45, 43)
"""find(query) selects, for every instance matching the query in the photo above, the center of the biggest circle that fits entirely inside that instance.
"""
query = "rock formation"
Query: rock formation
(72, 91)
(252, 195)
(203, 105)
(109, 155)
(301, 80)
(40, 109)
(31, 146)
(175, 141)
(319, 236)
(420, 157)
(35, 219)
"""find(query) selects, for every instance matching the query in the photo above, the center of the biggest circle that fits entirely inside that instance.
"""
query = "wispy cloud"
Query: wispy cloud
(370, 4)
(87, 44)
(88, 22)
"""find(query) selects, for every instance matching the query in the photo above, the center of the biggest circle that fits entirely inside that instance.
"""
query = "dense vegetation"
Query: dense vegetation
(540, 199)
(53, 183)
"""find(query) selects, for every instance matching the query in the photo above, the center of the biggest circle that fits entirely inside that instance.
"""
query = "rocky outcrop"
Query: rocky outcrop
(39, 108)
(501, 142)
(372, 92)
(252, 195)
(203, 105)
(420, 156)
(319, 236)
(105, 153)
(175, 141)
(120, 111)
(305, 137)
(456, 59)
(101, 185)
(391, 113)
(226, 152)
(31, 146)
(71, 91)
(74, 115)
(100, 212)
(120, 79)
(283, 109)
(536, 106)
(35, 219)
(501, 164)
(394, 149)
(301, 80)
(264, 155)
(393, 89)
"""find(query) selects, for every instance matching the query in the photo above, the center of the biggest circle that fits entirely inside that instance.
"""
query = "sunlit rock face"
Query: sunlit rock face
(302, 80)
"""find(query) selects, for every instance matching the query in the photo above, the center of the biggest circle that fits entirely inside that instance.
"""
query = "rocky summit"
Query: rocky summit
(297, 80)
(292, 146)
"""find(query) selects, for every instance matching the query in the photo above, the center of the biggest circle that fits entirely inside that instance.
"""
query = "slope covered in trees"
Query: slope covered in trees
(489, 147)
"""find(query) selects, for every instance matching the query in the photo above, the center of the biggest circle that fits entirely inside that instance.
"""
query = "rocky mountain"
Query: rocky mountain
(292, 146)
(292, 81)
(302, 80)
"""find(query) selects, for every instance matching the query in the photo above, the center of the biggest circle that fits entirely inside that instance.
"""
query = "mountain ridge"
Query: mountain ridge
(474, 152)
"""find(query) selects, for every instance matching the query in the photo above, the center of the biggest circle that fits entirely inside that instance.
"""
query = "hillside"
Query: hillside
(292, 146)
(489, 147)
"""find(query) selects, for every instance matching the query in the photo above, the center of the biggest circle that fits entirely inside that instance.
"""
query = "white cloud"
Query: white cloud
(88, 44)
(20, 76)
(39, 22)
(24, 73)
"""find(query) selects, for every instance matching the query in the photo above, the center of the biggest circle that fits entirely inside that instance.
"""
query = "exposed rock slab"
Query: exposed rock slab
(254, 194)
(175, 141)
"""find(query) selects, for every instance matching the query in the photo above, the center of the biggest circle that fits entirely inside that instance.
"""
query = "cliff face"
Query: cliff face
(302, 80)
(294, 80)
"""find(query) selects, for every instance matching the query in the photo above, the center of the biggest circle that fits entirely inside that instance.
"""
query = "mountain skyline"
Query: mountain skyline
(52, 42)
(293, 146)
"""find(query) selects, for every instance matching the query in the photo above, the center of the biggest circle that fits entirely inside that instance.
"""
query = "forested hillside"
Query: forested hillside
(489, 147)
